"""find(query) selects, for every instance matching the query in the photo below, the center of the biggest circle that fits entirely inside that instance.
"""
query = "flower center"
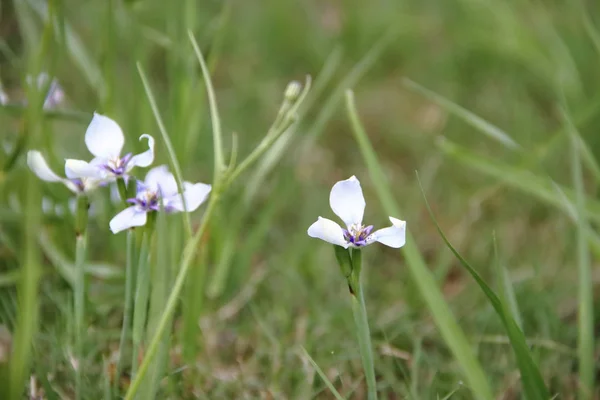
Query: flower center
(147, 200)
(358, 234)
(117, 165)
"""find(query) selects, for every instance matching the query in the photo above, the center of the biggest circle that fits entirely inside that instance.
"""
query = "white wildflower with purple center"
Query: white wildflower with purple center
(104, 139)
(39, 166)
(159, 186)
(347, 202)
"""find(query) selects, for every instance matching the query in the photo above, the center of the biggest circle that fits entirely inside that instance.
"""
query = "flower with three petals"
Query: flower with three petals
(159, 187)
(347, 202)
(104, 139)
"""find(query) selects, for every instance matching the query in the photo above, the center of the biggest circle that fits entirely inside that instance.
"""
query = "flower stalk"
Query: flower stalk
(81, 219)
(350, 262)
(122, 186)
(129, 287)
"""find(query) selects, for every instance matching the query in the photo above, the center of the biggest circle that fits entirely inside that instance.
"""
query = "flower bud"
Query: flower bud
(292, 91)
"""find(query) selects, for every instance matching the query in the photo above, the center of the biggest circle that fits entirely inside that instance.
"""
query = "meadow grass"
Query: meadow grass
(494, 104)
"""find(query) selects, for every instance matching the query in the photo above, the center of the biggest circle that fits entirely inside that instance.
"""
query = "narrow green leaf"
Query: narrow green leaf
(507, 293)
(214, 111)
(475, 121)
(167, 141)
(586, 338)
(423, 278)
(531, 379)
(523, 179)
(327, 382)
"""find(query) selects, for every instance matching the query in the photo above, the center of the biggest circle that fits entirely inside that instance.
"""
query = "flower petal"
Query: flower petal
(159, 178)
(77, 169)
(194, 195)
(329, 231)
(128, 218)
(393, 236)
(104, 137)
(39, 166)
(143, 159)
(347, 201)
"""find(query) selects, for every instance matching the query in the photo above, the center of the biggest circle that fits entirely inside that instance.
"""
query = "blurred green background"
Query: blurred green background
(502, 167)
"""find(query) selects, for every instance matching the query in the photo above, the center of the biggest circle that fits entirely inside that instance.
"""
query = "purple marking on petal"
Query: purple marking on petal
(357, 235)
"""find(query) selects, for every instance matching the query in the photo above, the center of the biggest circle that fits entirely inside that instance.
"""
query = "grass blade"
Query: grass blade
(214, 111)
(477, 122)
(327, 382)
(450, 330)
(523, 179)
(585, 348)
(168, 145)
(531, 379)
(507, 293)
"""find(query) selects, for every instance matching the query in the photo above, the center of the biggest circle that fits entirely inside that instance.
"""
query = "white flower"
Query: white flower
(104, 139)
(39, 166)
(160, 185)
(347, 202)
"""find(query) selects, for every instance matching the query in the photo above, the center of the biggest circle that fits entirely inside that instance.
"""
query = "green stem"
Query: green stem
(140, 310)
(128, 302)
(80, 257)
(364, 339)
(188, 256)
(362, 324)
(122, 191)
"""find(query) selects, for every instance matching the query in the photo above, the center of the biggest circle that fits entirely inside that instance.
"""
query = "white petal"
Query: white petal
(76, 169)
(104, 137)
(128, 218)
(159, 178)
(347, 201)
(39, 166)
(327, 230)
(194, 195)
(393, 236)
(146, 158)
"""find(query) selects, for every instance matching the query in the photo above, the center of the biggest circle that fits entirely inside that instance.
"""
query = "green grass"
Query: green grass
(495, 104)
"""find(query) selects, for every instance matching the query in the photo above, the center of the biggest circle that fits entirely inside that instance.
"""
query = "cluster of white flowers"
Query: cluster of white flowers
(105, 140)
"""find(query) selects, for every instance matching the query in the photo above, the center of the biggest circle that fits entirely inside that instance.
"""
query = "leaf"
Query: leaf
(475, 121)
(531, 379)
(327, 382)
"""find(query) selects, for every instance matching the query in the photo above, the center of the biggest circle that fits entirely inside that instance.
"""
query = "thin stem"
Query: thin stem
(128, 302)
(188, 256)
(80, 258)
(140, 310)
(364, 338)
(283, 121)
